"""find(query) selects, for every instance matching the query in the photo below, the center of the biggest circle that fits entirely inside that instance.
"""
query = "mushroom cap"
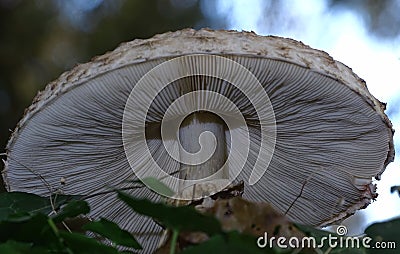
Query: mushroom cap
(332, 135)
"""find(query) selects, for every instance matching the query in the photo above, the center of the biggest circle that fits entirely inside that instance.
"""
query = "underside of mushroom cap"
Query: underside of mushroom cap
(332, 135)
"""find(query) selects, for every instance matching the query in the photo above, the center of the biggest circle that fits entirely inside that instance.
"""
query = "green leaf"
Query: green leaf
(13, 247)
(19, 217)
(158, 187)
(384, 233)
(178, 218)
(113, 232)
(21, 202)
(72, 209)
(232, 243)
(79, 243)
(33, 229)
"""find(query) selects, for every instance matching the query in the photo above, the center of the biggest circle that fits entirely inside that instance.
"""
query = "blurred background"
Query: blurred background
(40, 39)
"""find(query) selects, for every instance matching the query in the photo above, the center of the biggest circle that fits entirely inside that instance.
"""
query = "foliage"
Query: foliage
(34, 224)
(231, 242)
(387, 232)
(112, 231)
(19, 202)
(157, 186)
(176, 218)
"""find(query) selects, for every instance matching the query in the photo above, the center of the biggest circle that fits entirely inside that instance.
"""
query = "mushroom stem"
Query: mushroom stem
(190, 138)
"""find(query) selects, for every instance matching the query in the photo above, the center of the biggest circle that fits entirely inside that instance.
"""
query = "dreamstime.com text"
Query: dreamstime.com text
(331, 241)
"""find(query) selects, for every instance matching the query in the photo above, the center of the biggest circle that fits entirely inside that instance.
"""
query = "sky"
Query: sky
(341, 34)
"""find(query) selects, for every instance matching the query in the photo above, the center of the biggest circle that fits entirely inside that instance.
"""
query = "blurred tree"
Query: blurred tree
(41, 39)
(381, 18)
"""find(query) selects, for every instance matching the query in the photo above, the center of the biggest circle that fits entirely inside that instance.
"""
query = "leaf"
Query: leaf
(21, 202)
(33, 229)
(72, 209)
(232, 243)
(13, 247)
(157, 186)
(19, 217)
(113, 232)
(79, 243)
(178, 218)
(384, 233)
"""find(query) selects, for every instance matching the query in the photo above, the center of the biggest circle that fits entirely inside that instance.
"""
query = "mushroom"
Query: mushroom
(299, 128)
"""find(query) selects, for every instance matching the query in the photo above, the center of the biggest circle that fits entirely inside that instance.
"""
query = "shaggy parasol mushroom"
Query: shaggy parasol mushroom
(331, 138)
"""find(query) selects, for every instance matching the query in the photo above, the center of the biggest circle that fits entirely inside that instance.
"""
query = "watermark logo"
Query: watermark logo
(338, 240)
(341, 230)
(153, 82)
